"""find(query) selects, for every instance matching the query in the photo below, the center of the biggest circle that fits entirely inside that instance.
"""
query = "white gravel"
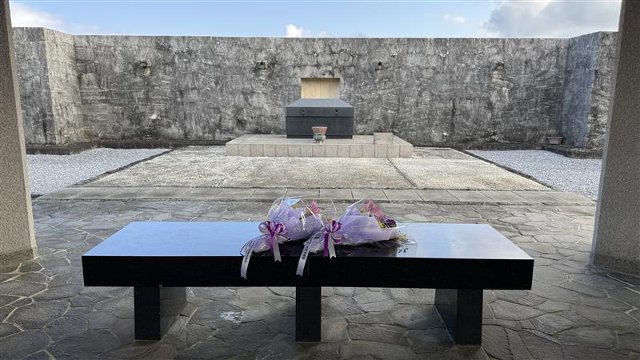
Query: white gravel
(581, 176)
(48, 173)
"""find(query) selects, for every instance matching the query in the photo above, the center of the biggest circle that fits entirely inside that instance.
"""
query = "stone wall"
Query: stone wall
(63, 82)
(461, 92)
(35, 94)
(48, 81)
(587, 89)
(601, 90)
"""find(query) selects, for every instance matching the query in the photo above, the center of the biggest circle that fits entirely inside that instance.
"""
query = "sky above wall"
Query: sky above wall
(354, 18)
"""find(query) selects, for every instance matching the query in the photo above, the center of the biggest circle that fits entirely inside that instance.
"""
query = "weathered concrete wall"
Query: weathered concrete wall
(428, 91)
(587, 87)
(463, 92)
(51, 104)
(35, 95)
(63, 82)
(601, 90)
(581, 61)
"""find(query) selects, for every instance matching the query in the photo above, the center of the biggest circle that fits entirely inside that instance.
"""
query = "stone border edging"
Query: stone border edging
(454, 197)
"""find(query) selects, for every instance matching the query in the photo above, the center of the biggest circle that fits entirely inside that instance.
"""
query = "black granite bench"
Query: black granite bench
(160, 259)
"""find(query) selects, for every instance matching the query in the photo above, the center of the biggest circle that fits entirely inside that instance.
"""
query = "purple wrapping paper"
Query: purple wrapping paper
(351, 228)
(284, 223)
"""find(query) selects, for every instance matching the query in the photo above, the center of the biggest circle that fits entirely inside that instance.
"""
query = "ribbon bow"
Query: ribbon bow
(274, 230)
(330, 238)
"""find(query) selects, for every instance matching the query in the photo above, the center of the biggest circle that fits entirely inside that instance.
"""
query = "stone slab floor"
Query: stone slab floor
(572, 312)
(208, 167)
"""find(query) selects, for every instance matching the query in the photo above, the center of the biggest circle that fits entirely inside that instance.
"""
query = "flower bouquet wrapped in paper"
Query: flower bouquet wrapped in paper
(288, 219)
(357, 225)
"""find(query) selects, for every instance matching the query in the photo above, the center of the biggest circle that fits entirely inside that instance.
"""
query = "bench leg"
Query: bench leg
(461, 311)
(155, 309)
(308, 314)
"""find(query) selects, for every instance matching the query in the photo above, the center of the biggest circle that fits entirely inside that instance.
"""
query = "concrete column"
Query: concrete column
(17, 241)
(616, 243)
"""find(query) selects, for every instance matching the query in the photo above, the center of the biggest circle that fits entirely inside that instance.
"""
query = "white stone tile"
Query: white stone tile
(374, 194)
(306, 150)
(231, 149)
(343, 150)
(281, 150)
(399, 195)
(393, 151)
(294, 150)
(309, 193)
(406, 151)
(244, 150)
(380, 150)
(382, 138)
(355, 151)
(257, 150)
(269, 149)
(335, 194)
(235, 194)
(318, 150)
(331, 150)
(367, 151)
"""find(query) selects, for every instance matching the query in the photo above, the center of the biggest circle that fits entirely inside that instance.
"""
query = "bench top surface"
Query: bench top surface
(225, 239)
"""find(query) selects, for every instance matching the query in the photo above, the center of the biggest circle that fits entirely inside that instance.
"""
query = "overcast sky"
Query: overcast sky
(355, 18)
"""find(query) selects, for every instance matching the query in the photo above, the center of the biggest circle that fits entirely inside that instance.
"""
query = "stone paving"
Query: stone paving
(454, 197)
(572, 311)
(208, 167)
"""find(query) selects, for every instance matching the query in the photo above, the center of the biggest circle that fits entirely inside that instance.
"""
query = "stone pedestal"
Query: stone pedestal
(17, 241)
(616, 243)
(360, 146)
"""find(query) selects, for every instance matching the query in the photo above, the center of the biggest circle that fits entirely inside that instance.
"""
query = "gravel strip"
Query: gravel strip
(48, 173)
(580, 176)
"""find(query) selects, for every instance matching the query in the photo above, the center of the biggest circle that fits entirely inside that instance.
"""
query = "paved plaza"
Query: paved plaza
(572, 311)
(430, 168)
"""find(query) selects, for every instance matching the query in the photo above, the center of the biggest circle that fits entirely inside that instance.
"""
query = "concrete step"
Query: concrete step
(360, 146)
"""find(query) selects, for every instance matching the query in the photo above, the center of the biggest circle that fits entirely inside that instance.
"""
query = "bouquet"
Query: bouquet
(288, 219)
(358, 225)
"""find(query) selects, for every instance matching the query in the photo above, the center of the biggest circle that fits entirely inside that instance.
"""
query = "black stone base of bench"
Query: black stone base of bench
(156, 308)
(461, 311)
(308, 314)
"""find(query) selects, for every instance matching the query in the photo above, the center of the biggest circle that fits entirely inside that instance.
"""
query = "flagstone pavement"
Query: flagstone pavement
(572, 311)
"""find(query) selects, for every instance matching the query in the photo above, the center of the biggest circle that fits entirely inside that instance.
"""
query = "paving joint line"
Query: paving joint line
(517, 172)
(415, 186)
(109, 172)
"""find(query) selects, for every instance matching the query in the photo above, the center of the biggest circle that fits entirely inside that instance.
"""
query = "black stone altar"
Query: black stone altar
(335, 114)
(160, 258)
